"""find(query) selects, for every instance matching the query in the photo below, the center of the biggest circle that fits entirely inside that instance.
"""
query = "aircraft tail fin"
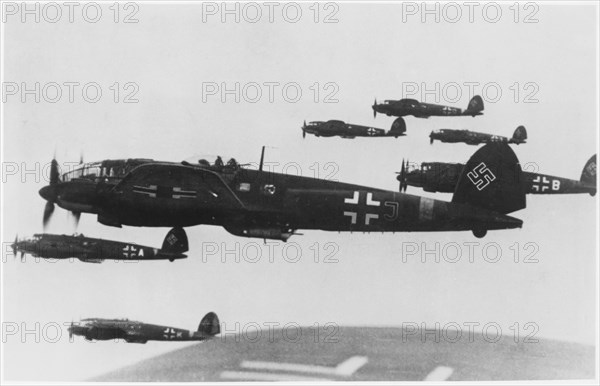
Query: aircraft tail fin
(398, 127)
(588, 175)
(176, 241)
(475, 106)
(520, 135)
(492, 179)
(209, 325)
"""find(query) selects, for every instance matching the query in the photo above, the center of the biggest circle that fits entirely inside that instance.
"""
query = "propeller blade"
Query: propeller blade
(76, 216)
(303, 134)
(22, 256)
(54, 173)
(402, 176)
(71, 331)
(373, 107)
(404, 180)
(14, 246)
(430, 140)
(48, 210)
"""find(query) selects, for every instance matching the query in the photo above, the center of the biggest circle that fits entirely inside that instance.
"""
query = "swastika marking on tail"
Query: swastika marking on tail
(481, 176)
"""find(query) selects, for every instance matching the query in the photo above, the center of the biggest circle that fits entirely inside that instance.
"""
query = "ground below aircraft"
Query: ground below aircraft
(474, 138)
(267, 205)
(335, 128)
(138, 332)
(444, 177)
(404, 107)
(366, 354)
(90, 250)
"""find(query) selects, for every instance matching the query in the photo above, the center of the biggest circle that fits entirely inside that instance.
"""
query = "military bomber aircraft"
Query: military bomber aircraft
(404, 107)
(267, 205)
(137, 332)
(90, 250)
(474, 138)
(346, 130)
(444, 177)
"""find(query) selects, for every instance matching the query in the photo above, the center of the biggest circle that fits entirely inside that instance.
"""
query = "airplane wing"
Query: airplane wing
(134, 337)
(94, 261)
(181, 183)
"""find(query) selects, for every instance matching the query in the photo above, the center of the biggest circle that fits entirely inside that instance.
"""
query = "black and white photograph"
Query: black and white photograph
(304, 192)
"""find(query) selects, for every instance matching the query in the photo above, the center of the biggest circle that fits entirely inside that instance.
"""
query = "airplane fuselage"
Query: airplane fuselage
(51, 246)
(443, 177)
(466, 136)
(268, 205)
(131, 331)
(345, 130)
(417, 109)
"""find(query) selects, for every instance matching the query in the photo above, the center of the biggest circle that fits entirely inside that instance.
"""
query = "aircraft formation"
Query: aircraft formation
(255, 203)
(401, 108)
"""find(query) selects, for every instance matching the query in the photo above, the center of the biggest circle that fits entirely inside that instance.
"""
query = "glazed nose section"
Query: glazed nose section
(77, 330)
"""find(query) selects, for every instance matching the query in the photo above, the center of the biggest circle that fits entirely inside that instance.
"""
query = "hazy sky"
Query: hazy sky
(173, 58)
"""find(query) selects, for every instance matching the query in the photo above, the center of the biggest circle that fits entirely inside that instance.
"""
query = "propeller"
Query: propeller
(48, 210)
(71, 330)
(76, 216)
(14, 245)
(54, 179)
(402, 177)
(373, 107)
(304, 129)
(54, 173)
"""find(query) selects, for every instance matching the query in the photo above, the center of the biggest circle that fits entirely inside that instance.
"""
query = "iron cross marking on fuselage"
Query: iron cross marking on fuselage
(355, 200)
(169, 333)
(542, 183)
(129, 251)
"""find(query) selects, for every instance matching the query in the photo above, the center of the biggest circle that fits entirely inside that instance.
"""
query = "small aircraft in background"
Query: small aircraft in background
(90, 250)
(342, 129)
(474, 138)
(137, 332)
(404, 107)
(443, 177)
